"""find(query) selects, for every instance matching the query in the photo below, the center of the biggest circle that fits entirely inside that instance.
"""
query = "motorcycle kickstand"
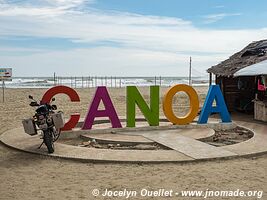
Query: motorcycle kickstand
(40, 145)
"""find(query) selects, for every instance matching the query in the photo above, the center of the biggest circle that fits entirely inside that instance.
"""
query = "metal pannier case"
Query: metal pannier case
(58, 119)
(29, 126)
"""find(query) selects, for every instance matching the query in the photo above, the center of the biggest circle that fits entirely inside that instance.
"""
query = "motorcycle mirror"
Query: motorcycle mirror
(30, 97)
(54, 107)
(34, 104)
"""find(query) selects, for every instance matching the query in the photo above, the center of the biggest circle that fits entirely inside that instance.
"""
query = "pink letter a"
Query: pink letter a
(110, 112)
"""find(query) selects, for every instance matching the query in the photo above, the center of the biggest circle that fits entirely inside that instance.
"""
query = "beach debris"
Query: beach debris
(215, 138)
(118, 146)
(228, 137)
(98, 146)
(145, 147)
(88, 143)
(93, 142)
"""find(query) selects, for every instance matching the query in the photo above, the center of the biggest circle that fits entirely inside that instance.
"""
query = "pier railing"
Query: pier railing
(109, 81)
(95, 81)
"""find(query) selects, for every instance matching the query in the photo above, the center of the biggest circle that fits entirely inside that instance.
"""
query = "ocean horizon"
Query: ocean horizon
(94, 81)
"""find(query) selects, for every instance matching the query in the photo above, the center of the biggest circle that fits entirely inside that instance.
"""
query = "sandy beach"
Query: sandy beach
(30, 177)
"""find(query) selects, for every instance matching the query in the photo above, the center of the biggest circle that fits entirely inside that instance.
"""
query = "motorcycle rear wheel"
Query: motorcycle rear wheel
(48, 140)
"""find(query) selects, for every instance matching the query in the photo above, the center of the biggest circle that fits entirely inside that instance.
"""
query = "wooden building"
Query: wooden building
(239, 92)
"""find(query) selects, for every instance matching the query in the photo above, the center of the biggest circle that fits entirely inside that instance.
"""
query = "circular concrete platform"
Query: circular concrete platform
(180, 139)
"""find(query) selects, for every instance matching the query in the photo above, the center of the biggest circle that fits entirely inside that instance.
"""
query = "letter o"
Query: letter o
(194, 104)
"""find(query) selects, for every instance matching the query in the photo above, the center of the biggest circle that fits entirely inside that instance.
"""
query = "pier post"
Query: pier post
(54, 78)
(82, 81)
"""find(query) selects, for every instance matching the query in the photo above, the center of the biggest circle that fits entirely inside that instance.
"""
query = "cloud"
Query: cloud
(130, 30)
(208, 19)
(41, 8)
(219, 6)
(144, 42)
(103, 61)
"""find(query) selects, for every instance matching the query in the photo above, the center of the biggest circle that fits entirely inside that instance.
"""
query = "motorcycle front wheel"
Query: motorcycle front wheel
(56, 134)
(48, 140)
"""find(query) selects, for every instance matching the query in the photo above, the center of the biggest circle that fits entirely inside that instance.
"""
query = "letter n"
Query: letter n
(109, 111)
(214, 93)
(134, 98)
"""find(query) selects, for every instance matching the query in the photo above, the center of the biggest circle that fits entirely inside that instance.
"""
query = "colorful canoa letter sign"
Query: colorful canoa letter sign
(151, 112)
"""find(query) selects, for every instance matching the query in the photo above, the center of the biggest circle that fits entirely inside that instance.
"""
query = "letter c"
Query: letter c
(194, 104)
(74, 97)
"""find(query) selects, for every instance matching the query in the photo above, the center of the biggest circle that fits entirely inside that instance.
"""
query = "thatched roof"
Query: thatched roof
(254, 53)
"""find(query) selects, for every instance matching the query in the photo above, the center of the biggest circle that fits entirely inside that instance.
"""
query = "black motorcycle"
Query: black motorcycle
(48, 121)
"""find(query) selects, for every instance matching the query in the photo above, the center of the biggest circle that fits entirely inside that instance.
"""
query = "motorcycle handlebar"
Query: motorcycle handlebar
(33, 104)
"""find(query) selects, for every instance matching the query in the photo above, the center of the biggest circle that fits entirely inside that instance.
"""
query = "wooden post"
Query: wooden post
(82, 81)
(3, 87)
(222, 86)
(71, 81)
(256, 93)
(111, 81)
(210, 82)
(160, 80)
(54, 78)
(155, 80)
(190, 72)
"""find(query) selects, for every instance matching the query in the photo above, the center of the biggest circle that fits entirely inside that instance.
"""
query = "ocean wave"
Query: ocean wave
(36, 82)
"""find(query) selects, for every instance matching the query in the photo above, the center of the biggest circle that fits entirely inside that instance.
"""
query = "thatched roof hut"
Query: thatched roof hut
(239, 91)
(254, 53)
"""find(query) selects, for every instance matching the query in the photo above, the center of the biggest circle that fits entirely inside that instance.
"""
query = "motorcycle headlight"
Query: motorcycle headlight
(49, 120)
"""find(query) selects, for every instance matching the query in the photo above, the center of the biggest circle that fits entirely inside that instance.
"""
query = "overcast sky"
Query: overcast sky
(125, 37)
